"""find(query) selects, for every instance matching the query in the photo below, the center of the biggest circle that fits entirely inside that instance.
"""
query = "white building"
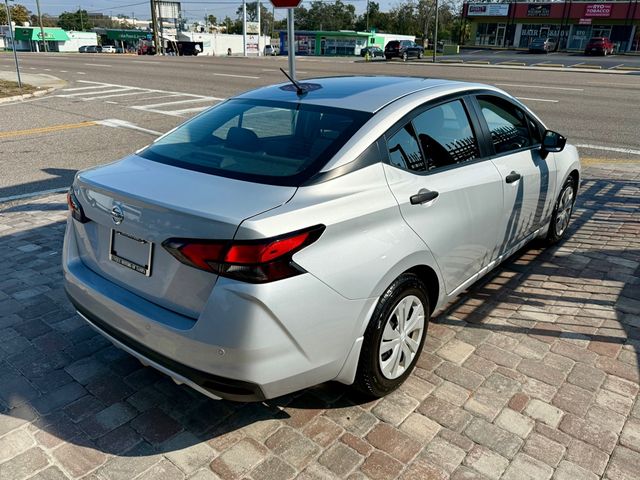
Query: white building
(218, 44)
(77, 40)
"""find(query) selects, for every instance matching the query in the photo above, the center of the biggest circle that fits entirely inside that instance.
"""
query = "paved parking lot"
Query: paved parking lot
(533, 373)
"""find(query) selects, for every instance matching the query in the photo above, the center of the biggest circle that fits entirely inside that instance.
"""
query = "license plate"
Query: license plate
(131, 252)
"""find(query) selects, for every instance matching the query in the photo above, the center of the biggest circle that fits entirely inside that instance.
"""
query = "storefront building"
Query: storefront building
(342, 43)
(30, 38)
(569, 23)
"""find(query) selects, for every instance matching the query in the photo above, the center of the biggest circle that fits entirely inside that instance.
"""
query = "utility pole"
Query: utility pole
(13, 42)
(435, 35)
(244, 27)
(291, 43)
(367, 15)
(154, 26)
(44, 40)
(81, 21)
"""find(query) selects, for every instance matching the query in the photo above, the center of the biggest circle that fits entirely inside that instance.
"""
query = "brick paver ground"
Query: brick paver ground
(532, 374)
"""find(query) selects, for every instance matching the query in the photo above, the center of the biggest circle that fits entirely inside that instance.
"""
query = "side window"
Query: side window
(404, 151)
(507, 124)
(446, 136)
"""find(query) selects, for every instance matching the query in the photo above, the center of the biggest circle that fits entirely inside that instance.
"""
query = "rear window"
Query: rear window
(278, 143)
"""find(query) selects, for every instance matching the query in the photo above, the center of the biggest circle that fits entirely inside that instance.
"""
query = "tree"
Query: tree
(212, 20)
(47, 20)
(19, 14)
(326, 16)
(78, 21)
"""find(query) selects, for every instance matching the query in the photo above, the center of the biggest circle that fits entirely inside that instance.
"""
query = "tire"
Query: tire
(378, 373)
(419, 55)
(562, 212)
(404, 57)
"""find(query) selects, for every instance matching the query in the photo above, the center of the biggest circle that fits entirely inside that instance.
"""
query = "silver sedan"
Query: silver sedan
(297, 234)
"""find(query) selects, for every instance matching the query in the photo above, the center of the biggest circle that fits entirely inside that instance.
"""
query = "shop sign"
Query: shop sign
(538, 10)
(584, 21)
(597, 10)
(488, 10)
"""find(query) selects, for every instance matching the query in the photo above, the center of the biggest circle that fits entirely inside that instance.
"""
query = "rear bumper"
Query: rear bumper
(250, 342)
(211, 385)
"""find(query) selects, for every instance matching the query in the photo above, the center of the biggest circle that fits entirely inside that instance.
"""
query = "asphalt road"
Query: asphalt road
(114, 104)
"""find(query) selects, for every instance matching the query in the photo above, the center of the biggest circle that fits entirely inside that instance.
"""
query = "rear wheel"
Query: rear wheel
(562, 212)
(394, 338)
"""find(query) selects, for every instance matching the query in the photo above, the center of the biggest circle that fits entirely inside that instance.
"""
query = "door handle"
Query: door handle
(513, 177)
(423, 197)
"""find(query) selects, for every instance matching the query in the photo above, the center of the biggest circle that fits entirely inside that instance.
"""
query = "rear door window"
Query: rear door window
(445, 135)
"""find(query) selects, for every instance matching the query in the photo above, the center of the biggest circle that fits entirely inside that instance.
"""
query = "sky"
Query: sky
(195, 9)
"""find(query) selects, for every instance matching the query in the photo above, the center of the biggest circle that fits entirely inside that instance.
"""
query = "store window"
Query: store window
(580, 35)
(531, 31)
(490, 34)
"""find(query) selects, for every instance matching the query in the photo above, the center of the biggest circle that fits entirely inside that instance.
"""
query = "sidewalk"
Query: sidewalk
(43, 82)
(532, 374)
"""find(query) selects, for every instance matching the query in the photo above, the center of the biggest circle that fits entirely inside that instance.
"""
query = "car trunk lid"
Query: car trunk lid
(158, 202)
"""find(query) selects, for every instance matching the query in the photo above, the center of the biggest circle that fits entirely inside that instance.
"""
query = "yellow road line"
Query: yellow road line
(596, 161)
(53, 128)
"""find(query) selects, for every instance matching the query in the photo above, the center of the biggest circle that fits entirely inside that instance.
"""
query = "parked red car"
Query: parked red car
(599, 45)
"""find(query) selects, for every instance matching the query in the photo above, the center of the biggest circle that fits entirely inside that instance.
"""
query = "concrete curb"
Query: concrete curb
(518, 67)
(37, 93)
(596, 67)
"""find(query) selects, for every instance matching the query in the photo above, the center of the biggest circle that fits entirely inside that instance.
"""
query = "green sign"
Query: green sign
(130, 35)
(50, 34)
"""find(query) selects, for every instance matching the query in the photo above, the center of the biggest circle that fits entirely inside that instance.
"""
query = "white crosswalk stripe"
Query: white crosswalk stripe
(138, 98)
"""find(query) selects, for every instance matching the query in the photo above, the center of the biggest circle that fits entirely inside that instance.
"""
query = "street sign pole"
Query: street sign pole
(244, 27)
(291, 43)
(12, 31)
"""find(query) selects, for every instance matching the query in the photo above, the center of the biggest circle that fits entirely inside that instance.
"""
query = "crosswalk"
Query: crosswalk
(175, 104)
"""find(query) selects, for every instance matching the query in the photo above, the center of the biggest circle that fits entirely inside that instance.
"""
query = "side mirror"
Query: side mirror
(553, 142)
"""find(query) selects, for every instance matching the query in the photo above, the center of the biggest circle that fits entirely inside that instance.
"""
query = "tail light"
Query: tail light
(75, 208)
(253, 261)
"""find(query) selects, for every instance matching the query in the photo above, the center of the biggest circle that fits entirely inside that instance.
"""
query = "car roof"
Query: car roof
(364, 93)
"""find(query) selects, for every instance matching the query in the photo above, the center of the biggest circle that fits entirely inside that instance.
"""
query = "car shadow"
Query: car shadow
(579, 290)
(58, 178)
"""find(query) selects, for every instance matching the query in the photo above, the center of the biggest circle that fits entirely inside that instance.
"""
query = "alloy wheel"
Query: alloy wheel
(565, 206)
(401, 337)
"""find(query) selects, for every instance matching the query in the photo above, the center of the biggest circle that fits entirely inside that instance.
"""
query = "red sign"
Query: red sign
(286, 3)
(598, 10)
(584, 21)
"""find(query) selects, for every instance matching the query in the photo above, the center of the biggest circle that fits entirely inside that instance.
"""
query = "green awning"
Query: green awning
(50, 34)
(130, 35)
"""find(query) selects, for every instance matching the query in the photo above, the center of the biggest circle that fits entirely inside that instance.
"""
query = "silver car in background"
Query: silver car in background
(294, 235)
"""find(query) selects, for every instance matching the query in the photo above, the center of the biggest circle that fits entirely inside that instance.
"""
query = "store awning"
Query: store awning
(128, 35)
(50, 34)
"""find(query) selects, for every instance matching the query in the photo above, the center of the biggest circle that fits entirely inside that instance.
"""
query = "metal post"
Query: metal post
(244, 28)
(13, 43)
(291, 44)
(44, 40)
(81, 21)
(435, 35)
(259, 27)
